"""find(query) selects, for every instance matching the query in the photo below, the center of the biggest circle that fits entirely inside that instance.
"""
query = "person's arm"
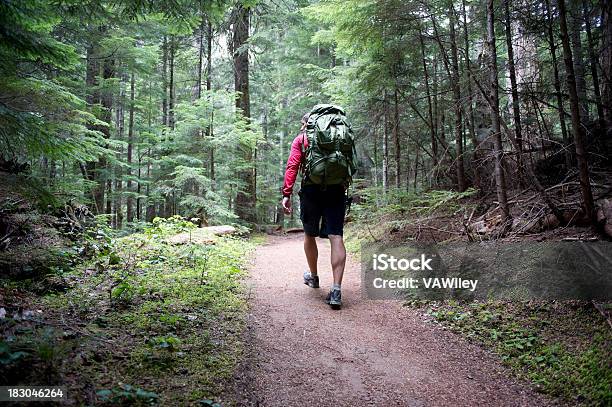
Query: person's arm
(291, 171)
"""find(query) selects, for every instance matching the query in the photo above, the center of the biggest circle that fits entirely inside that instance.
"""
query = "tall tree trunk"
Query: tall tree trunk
(171, 100)
(500, 179)
(516, 112)
(106, 116)
(432, 128)
(130, 148)
(583, 169)
(472, 125)
(553, 53)
(459, 168)
(120, 124)
(150, 202)
(200, 58)
(92, 98)
(575, 14)
(606, 63)
(385, 146)
(245, 197)
(164, 75)
(396, 139)
(139, 187)
(593, 63)
(209, 129)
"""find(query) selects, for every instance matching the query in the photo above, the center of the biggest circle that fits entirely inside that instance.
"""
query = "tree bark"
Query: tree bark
(575, 28)
(432, 128)
(500, 179)
(396, 139)
(459, 166)
(593, 63)
(106, 116)
(606, 63)
(171, 100)
(130, 148)
(245, 197)
(92, 98)
(385, 146)
(472, 125)
(581, 159)
(164, 75)
(557, 82)
(209, 128)
(516, 112)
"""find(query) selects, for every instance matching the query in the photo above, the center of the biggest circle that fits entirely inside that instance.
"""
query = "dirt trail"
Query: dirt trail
(369, 353)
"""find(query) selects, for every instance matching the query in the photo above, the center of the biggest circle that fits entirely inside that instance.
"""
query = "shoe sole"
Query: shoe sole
(334, 305)
(311, 285)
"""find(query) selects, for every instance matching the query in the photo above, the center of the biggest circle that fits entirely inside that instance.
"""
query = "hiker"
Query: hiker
(324, 150)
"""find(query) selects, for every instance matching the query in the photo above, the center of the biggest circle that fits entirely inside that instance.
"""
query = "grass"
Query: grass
(143, 322)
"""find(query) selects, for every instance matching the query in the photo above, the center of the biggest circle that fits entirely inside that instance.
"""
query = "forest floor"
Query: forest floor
(368, 353)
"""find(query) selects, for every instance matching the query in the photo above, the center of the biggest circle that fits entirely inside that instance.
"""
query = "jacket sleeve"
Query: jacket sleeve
(293, 165)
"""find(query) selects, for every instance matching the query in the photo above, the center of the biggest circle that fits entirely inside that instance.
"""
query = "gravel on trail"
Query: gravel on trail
(369, 353)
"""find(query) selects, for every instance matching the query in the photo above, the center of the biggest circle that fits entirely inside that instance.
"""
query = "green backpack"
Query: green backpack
(330, 155)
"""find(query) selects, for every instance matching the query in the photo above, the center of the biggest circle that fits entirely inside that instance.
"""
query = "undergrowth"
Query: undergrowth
(563, 348)
(143, 321)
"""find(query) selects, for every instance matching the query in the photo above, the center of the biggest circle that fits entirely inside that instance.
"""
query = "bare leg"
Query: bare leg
(312, 253)
(338, 257)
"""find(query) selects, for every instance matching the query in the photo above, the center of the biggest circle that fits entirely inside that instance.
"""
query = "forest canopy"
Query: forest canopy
(142, 109)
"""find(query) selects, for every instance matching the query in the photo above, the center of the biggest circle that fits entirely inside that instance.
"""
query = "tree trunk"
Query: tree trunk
(396, 139)
(385, 146)
(200, 58)
(171, 101)
(471, 126)
(593, 63)
(92, 98)
(606, 63)
(575, 28)
(120, 124)
(245, 197)
(459, 168)
(164, 76)
(130, 148)
(585, 185)
(101, 167)
(432, 129)
(516, 112)
(209, 129)
(553, 53)
(500, 180)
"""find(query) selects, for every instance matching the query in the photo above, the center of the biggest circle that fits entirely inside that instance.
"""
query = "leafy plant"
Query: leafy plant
(127, 393)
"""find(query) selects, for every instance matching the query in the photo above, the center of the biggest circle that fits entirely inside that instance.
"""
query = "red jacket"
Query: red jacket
(294, 162)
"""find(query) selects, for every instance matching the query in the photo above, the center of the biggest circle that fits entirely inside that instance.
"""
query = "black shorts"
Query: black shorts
(326, 205)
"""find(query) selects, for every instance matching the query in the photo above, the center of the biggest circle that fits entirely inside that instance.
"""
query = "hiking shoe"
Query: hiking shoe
(310, 280)
(334, 299)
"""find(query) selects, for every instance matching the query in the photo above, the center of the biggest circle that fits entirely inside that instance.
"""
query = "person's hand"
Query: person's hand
(286, 205)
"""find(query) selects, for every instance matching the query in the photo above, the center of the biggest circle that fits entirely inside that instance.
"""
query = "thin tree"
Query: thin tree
(130, 149)
(516, 112)
(460, 169)
(581, 159)
(500, 179)
(557, 83)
